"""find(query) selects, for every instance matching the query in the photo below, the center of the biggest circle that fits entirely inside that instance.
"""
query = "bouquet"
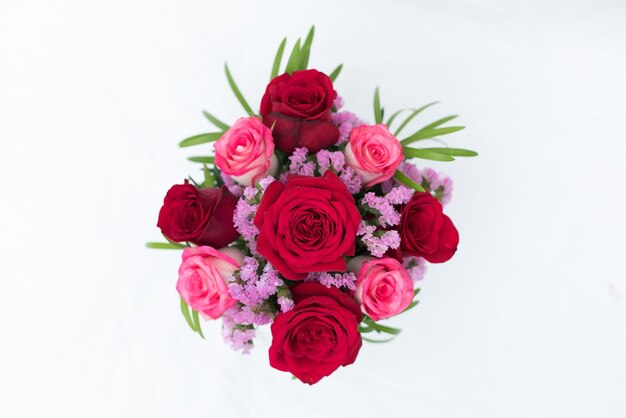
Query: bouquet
(310, 219)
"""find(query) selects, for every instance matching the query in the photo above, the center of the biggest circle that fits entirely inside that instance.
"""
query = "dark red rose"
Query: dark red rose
(298, 107)
(201, 216)
(307, 225)
(318, 335)
(425, 231)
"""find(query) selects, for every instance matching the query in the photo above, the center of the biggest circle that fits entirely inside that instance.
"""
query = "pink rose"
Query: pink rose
(246, 151)
(383, 287)
(202, 278)
(374, 153)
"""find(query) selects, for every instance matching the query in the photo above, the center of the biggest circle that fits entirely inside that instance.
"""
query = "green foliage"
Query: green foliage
(204, 160)
(277, 59)
(426, 154)
(333, 76)
(430, 133)
(209, 177)
(237, 92)
(369, 325)
(404, 179)
(294, 58)
(164, 245)
(378, 112)
(393, 117)
(200, 139)
(191, 317)
(411, 116)
(455, 152)
(305, 52)
(196, 322)
(185, 310)
(215, 121)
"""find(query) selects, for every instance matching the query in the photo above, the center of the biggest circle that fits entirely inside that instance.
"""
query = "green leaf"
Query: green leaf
(411, 305)
(363, 329)
(430, 133)
(195, 183)
(369, 340)
(416, 291)
(394, 115)
(196, 321)
(411, 116)
(164, 245)
(236, 91)
(305, 52)
(383, 328)
(378, 113)
(456, 152)
(404, 179)
(215, 121)
(278, 59)
(205, 160)
(209, 179)
(294, 58)
(185, 310)
(439, 122)
(199, 139)
(426, 154)
(333, 76)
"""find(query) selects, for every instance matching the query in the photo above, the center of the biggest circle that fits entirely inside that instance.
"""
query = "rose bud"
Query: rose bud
(306, 225)
(383, 287)
(246, 152)
(200, 216)
(298, 107)
(318, 335)
(374, 153)
(425, 231)
(202, 278)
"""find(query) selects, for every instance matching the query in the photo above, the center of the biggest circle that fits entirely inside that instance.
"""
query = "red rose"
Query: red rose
(425, 231)
(298, 107)
(307, 225)
(201, 216)
(318, 335)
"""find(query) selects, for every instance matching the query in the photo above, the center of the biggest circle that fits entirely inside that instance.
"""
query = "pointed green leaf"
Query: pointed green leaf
(416, 291)
(164, 245)
(378, 114)
(335, 73)
(363, 329)
(393, 116)
(411, 305)
(411, 116)
(277, 59)
(455, 152)
(205, 160)
(426, 154)
(431, 133)
(215, 121)
(196, 322)
(199, 139)
(404, 179)
(294, 58)
(383, 328)
(185, 310)
(191, 179)
(237, 92)
(305, 52)
(438, 122)
(209, 178)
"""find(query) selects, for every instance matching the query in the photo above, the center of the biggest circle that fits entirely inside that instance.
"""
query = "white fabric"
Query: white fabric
(528, 319)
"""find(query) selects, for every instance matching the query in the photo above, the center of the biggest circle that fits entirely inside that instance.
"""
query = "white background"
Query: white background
(527, 320)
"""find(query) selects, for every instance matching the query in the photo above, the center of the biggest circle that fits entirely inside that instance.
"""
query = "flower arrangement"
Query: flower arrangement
(309, 219)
